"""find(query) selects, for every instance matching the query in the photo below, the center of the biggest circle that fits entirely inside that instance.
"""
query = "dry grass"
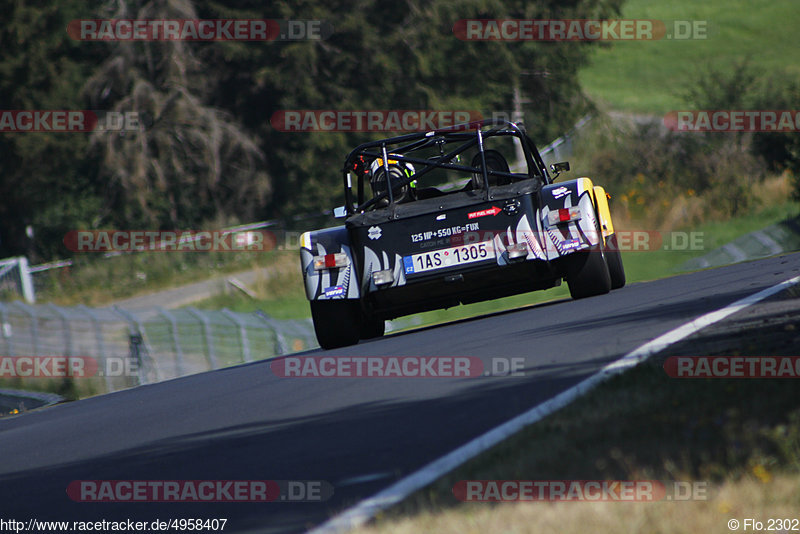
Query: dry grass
(101, 281)
(282, 278)
(691, 210)
(752, 497)
(740, 437)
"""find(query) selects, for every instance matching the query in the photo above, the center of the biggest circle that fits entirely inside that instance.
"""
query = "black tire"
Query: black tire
(337, 323)
(371, 327)
(587, 272)
(614, 260)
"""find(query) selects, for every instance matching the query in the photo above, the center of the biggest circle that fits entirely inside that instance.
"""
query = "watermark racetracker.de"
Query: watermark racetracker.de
(200, 491)
(579, 490)
(66, 121)
(396, 367)
(374, 120)
(67, 367)
(733, 120)
(732, 366)
(199, 30)
(579, 29)
(110, 241)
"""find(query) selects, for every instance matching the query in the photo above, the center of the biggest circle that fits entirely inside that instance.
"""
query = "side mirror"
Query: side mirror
(558, 168)
(339, 212)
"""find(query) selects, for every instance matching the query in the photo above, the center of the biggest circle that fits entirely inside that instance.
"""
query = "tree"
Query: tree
(46, 182)
(207, 151)
(190, 162)
(395, 55)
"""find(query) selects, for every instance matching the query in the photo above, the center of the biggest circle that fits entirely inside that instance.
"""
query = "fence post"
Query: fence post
(101, 346)
(212, 358)
(8, 334)
(135, 328)
(242, 334)
(27, 283)
(65, 324)
(30, 311)
(176, 341)
(282, 347)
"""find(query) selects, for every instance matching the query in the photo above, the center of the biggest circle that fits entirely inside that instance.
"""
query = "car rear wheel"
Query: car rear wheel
(337, 323)
(587, 272)
(614, 259)
(371, 327)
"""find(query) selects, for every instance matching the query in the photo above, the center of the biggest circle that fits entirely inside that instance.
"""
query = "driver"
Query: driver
(398, 170)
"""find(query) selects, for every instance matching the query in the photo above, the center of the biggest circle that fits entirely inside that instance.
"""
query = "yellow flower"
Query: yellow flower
(762, 474)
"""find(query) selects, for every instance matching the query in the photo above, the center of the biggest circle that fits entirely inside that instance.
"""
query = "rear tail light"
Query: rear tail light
(564, 215)
(330, 261)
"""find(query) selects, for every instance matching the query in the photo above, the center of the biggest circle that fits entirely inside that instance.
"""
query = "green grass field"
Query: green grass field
(649, 76)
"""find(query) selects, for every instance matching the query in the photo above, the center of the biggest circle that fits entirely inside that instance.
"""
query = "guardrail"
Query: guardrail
(127, 347)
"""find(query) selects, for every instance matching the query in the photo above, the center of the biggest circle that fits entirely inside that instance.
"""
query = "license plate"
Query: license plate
(449, 257)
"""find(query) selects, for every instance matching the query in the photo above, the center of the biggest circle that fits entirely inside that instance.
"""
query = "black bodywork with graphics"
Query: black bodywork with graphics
(484, 230)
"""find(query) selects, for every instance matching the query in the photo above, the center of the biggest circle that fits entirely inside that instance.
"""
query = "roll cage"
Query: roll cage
(402, 149)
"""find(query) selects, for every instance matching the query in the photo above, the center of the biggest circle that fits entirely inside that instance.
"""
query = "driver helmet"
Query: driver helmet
(398, 170)
(407, 168)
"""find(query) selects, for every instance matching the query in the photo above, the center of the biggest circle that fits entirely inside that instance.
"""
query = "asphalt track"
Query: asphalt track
(358, 434)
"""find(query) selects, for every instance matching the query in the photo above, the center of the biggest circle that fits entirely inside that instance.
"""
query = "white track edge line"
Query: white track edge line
(365, 510)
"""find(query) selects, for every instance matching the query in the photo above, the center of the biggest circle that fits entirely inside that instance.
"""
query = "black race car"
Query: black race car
(435, 219)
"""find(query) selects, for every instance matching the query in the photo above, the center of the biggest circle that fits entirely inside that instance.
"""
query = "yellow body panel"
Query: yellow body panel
(584, 184)
(601, 202)
(600, 199)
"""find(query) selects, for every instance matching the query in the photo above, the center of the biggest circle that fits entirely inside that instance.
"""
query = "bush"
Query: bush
(744, 86)
(672, 178)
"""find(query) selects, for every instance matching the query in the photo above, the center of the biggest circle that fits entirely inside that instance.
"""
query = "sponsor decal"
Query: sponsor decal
(559, 192)
(493, 211)
(439, 233)
(374, 232)
(335, 291)
(570, 244)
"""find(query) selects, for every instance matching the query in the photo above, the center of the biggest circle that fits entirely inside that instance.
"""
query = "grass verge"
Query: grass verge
(99, 281)
(739, 437)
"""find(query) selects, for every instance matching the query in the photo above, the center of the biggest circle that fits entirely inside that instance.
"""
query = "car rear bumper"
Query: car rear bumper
(463, 287)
